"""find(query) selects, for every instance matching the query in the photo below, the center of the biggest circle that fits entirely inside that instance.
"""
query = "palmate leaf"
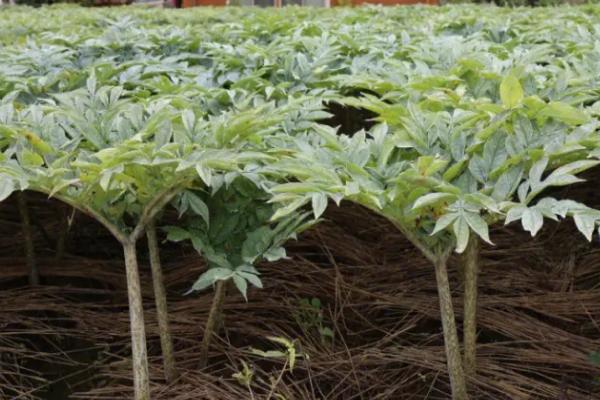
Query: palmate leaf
(532, 217)
(240, 233)
(210, 277)
(463, 222)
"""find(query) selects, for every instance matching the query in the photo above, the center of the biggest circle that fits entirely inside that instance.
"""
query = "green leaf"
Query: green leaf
(443, 222)
(7, 186)
(205, 174)
(200, 246)
(454, 170)
(319, 204)
(189, 120)
(269, 353)
(252, 278)
(210, 277)
(256, 243)
(574, 167)
(586, 223)
(105, 180)
(511, 92)
(31, 159)
(565, 113)
(431, 199)
(275, 254)
(478, 225)
(461, 232)
(241, 285)
(515, 213)
(289, 208)
(532, 220)
(176, 234)
(198, 206)
(536, 171)
(507, 183)
(478, 168)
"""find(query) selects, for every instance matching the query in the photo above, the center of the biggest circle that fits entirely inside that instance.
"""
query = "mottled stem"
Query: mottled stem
(453, 353)
(471, 271)
(160, 298)
(139, 352)
(213, 322)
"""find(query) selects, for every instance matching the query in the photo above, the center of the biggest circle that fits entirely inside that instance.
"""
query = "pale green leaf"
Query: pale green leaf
(7, 186)
(461, 233)
(319, 204)
(432, 199)
(532, 220)
(511, 92)
(241, 285)
(443, 222)
(478, 225)
(586, 223)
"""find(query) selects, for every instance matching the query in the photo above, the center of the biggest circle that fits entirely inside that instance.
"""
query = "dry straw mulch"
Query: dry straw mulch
(539, 318)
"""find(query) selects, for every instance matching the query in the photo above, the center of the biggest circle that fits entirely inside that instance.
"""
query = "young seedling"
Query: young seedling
(290, 355)
(231, 230)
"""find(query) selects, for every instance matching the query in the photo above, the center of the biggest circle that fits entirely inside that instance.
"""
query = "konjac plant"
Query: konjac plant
(122, 162)
(226, 215)
(492, 148)
(232, 230)
(442, 178)
(106, 171)
(111, 158)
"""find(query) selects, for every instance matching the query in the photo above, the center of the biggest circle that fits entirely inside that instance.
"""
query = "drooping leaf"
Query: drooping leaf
(532, 220)
(461, 233)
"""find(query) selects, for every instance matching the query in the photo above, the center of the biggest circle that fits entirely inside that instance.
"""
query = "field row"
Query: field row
(250, 122)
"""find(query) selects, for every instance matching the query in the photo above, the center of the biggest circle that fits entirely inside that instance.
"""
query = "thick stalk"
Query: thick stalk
(471, 271)
(453, 354)
(213, 322)
(160, 298)
(139, 352)
(33, 272)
